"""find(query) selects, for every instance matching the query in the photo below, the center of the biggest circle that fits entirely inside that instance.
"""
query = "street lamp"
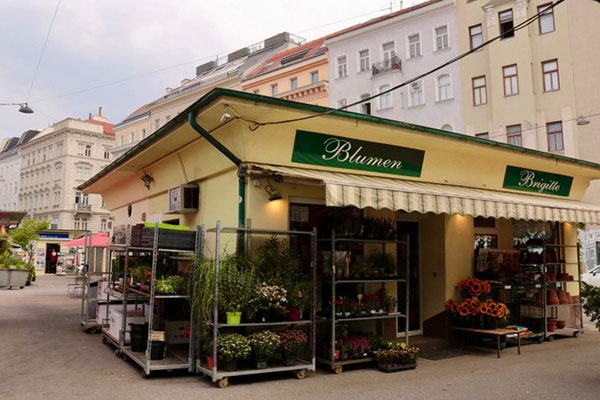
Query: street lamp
(23, 107)
(582, 121)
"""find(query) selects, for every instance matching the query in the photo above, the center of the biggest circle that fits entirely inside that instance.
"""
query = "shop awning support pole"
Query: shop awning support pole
(242, 172)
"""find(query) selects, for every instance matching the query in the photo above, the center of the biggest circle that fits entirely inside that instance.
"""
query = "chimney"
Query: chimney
(90, 116)
(99, 111)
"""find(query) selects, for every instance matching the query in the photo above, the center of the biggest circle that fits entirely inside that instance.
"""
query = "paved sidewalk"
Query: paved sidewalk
(45, 355)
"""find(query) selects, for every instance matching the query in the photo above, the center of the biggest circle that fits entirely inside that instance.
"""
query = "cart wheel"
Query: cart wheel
(576, 334)
(301, 374)
(338, 369)
(540, 340)
(550, 338)
(104, 340)
(223, 383)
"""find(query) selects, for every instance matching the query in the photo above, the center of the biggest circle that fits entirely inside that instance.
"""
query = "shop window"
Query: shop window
(483, 222)
(506, 24)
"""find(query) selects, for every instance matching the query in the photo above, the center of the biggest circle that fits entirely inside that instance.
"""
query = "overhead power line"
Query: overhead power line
(256, 124)
(37, 67)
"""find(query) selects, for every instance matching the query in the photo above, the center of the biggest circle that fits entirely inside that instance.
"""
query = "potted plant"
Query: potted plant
(358, 346)
(237, 284)
(397, 357)
(390, 304)
(264, 344)
(292, 341)
(170, 285)
(269, 301)
(232, 347)
(299, 300)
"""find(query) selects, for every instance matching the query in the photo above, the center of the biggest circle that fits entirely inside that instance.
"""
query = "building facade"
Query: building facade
(535, 86)
(10, 170)
(55, 163)
(225, 72)
(299, 74)
(373, 57)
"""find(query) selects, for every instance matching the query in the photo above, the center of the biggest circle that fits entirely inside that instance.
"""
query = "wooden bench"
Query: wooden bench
(498, 334)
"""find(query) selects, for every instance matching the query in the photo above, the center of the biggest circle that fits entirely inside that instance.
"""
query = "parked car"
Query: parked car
(592, 277)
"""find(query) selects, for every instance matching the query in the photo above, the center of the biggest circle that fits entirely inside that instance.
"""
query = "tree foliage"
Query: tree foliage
(591, 306)
(26, 235)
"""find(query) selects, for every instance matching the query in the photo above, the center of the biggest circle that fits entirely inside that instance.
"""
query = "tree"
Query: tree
(26, 235)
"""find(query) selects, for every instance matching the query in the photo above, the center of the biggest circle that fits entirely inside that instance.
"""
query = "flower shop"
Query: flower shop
(351, 234)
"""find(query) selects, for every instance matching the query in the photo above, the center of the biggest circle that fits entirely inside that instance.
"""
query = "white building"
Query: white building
(374, 56)
(10, 170)
(58, 160)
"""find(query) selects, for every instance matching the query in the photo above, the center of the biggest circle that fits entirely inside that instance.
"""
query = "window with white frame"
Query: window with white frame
(365, 107)
(546, 20)
(293, 83)
(274, 88)
(414, 45)
(363, 60)
(342, 66)
(441, 38)
(106, 153)
(389, 53)
(121, 140)
(131, 137)
(550, 72)
(385, 100)
(444, 87)
(511, 80)
(479, 91)
(476, 36)
(314, 77)
(416, 97)
(103, 225)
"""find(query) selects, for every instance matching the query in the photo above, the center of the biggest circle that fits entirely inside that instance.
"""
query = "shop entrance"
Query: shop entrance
(411, 230)
(52, 250)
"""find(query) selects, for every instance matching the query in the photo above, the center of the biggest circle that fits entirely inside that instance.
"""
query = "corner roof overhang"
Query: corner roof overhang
(205, 103)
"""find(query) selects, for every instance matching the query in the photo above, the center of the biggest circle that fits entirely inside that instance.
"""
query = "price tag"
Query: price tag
(507, 287)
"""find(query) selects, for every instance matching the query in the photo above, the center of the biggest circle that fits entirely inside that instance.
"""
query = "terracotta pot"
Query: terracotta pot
(575, 299)
(563, 276)
(550, 276)
(571, 278)
(551, 325)
(562, 297)
(569, 298)
(561, 324)
(552, 297)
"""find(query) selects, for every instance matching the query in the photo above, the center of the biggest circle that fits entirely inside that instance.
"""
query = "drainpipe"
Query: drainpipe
(242, 173)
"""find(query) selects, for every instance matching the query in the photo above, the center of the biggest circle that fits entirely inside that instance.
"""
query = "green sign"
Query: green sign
(530, 180)
(334, 151)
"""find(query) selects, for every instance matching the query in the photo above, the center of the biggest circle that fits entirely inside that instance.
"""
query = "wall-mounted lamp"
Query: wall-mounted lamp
(581, 121)
(226, 115)
(272, 192)
(147, 179)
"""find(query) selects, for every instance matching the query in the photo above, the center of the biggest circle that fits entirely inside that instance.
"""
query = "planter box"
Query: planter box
(167, 238)
(13, 277)
(396, 367)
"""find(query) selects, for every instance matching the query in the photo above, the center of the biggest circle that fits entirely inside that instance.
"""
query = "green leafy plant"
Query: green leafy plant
(169, 285)
(591, 306)
(264, 344)
(233, 346)
(200, 285)
(237, 284)
(292, 341)
(383, 261)
(299, 295)
(139, 273)
(276, 264)
(26, 235)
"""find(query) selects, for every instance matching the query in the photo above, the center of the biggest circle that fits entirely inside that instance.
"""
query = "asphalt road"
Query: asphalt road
(45, 355)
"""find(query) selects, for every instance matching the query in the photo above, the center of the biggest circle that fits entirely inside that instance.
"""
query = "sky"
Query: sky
(105, 53)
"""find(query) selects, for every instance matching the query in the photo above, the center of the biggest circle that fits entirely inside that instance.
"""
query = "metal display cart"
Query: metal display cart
(221, 377)
(177, 356)
(334, 319)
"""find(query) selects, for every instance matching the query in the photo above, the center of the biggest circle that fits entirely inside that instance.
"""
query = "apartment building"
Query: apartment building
(372, 57)
(58, 160)
(10, 170)
(227, 71)
(298, 74)
(536, 87)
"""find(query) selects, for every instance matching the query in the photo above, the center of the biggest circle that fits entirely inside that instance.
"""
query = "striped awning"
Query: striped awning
(361, 191)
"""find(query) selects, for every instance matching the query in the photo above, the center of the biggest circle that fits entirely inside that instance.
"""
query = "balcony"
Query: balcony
(392, 64)
(83, 208)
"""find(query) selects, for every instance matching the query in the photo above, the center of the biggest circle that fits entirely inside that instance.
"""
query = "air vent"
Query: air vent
(184, 199)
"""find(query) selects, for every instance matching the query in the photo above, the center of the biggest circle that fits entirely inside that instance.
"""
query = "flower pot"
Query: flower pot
(157, 350)
(552, 297)
(229, 365)
(561, 324)
(289, 361)
(396, 367)
(551, 326)
(337, 354)
(139, 337)
(562, 297)
(210, 362)
(261, 364)
(234, 317)
(293, 313)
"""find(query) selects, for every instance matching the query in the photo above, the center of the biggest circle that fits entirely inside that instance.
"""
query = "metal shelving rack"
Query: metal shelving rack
(87, 323)
(553, 309)
(178, 357)
(220, 376)
(337, 365)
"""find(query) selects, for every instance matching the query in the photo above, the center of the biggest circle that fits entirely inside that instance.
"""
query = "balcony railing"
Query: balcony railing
(83, 208)
(391, 64)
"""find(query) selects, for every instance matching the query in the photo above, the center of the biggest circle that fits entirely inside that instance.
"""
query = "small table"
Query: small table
(497, 333)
